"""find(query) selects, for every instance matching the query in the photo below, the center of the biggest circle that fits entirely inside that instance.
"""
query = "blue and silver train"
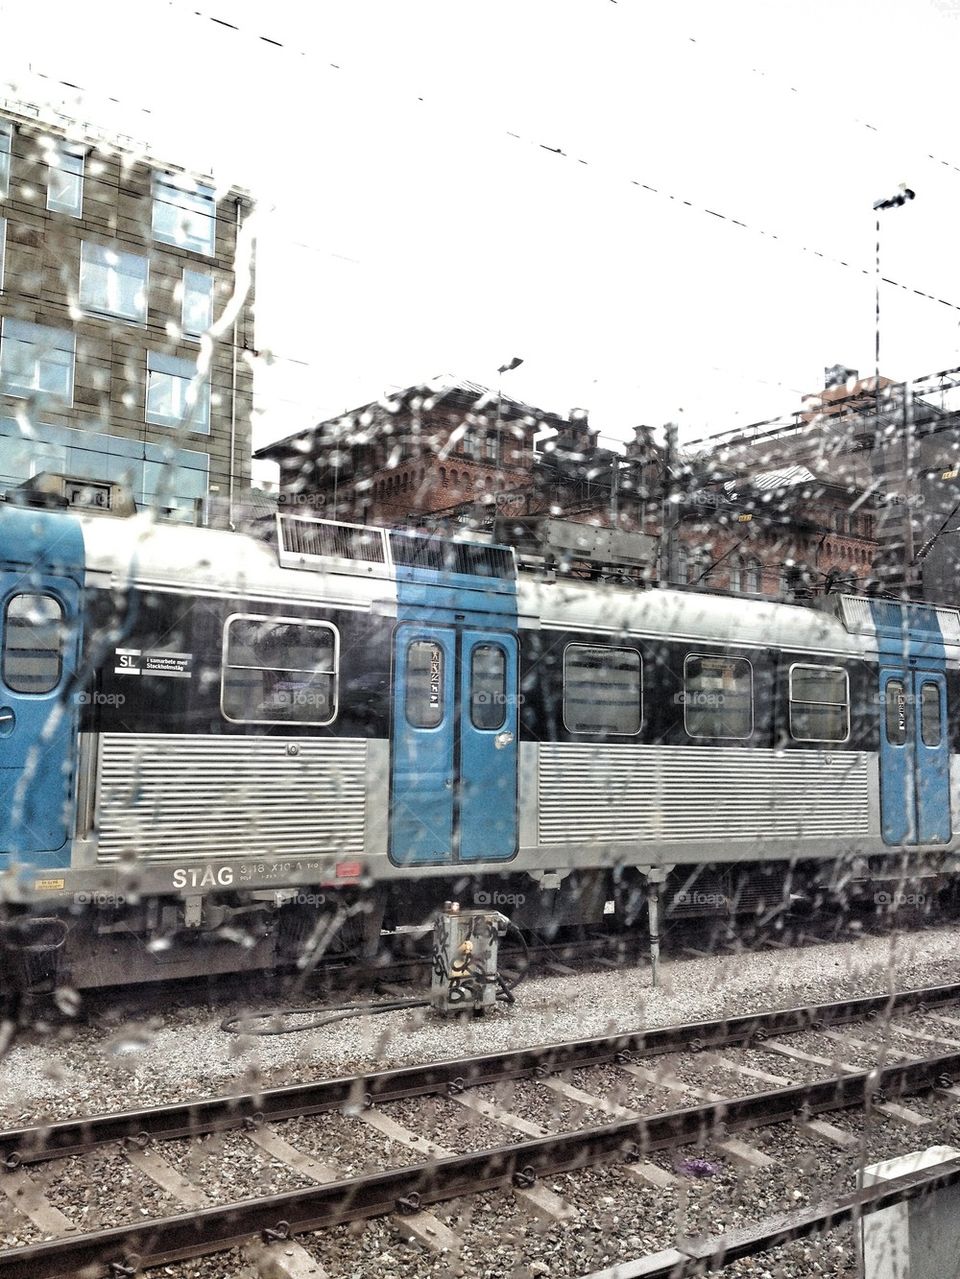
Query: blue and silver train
(216, 745)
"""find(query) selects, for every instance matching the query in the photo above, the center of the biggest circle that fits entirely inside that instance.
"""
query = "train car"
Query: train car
(222, 749)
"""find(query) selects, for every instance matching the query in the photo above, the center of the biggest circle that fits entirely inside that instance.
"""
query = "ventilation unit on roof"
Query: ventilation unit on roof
(474, 559)
(307, 542)
(326, 545)
(893, 617)
(578, 549)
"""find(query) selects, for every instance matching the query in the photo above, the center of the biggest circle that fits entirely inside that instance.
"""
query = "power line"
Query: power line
(663, 192)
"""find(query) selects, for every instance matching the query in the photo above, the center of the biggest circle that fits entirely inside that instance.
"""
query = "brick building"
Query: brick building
(453, 452)
(437, 449)
(112, 271)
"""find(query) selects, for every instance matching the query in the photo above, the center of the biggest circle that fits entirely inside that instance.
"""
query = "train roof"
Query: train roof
(121, 551)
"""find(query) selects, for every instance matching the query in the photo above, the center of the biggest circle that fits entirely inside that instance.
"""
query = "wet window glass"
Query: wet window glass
(32, 643)
(488, 686)
(279, 670)
(601, 690)
(895, 702)
(930, 727)
(113, 282)
(65, 181)
(424, 684)
(718, 697)
(819, 704)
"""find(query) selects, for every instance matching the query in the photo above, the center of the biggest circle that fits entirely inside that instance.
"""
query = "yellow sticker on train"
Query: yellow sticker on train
(41, 884)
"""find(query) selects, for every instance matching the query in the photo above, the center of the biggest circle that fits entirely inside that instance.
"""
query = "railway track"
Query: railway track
(630, 1135)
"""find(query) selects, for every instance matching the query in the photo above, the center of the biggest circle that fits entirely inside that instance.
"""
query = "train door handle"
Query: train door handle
(502, 739)
(7, 720)
(448, 783)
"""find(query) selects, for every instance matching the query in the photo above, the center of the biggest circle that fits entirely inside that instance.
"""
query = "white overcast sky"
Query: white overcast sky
(406, 231)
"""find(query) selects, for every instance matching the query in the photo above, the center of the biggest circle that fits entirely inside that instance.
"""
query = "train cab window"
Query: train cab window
(895, 705)
(279, 670)
(930, 727)
(488, 687)
(601, 690)
(32, 643)
(717, 697)
(424, 700)
(820, 704)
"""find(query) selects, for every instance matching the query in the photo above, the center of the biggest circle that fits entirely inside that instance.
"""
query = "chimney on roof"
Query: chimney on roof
(838, 375)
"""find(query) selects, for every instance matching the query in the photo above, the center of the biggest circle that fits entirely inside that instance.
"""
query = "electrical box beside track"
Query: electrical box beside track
(465, 952)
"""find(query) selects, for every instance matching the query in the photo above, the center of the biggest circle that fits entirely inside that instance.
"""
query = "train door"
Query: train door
(39, 651)
(914, 757)
(454, 769)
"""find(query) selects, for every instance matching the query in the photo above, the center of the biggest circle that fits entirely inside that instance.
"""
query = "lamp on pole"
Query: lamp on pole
(903, 196)
(894, 202)
(510, 365)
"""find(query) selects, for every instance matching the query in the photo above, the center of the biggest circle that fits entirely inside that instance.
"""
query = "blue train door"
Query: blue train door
(39, 650)
(454, 770)
(914, 757)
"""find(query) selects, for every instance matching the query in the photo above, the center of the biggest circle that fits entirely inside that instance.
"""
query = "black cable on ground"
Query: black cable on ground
(508, 987)
(245, 1023)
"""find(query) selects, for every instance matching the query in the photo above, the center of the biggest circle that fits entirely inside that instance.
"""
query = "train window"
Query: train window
(601, 690)
(896, 712)
(717, 696)
(488, 686)
(930, 728)
(820, 704)
(32, 643)
(279, 670)
(424, 684)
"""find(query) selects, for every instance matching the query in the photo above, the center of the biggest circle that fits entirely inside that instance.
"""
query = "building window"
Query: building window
(197, 302)
(279, 670)
(601, 690)
(173, 397)
(65, 180)
(490, 448)
(36, 360)
(819, 703)
(736, 576)
(752, 577)
(683, 568)
(184, 213)
(33, 644)
(718, 697)
(113, 282)
(6, 137)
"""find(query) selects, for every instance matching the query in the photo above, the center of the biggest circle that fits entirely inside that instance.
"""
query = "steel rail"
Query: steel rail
(278, 1216)
(713, 1253)
(39, 1143)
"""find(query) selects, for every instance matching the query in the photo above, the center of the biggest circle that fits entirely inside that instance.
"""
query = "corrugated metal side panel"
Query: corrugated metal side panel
(600, 793)
(164, 796)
